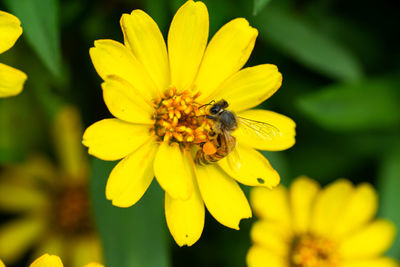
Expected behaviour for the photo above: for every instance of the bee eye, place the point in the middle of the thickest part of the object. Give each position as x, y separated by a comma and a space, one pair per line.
214, 110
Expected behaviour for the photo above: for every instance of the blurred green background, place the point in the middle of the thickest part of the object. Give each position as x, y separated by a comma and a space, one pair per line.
340, 62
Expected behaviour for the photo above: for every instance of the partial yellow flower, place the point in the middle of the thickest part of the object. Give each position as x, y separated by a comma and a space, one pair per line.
159, 98
47, 260
11, 80
52, 202
306, 226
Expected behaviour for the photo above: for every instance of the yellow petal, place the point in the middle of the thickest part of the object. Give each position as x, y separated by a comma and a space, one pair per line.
187, 40
17, 198
113, 139
67, 132
132, 176
271, 236
123, 102
2, 264
53, 244
379, 262
271, 205
254, 169
173, 171
17, 236
328, 206
85, 249
226, 53
262, 138
249, 87
47, 261
36, 170
370, 241
185, 218
302, 194
94, 264
258, 256
112, 58
10, 30
360, 208
11, 81
223, 197
143, 37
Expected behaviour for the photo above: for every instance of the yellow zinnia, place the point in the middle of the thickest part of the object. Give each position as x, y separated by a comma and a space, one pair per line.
47, 260
312, 227
11, 80
51, 203
160, 100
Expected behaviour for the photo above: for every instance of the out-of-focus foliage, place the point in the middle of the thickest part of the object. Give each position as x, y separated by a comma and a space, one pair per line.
340, 66
259, 5
389, 184
15, 122
132, 236
41, 28
372, 104
293, 35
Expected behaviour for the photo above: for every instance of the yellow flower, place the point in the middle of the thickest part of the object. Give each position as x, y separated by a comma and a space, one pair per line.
160, 99
312, 227
47, 260
11, 80
51, 203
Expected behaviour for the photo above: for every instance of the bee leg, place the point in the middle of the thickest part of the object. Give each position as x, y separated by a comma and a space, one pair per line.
211, 117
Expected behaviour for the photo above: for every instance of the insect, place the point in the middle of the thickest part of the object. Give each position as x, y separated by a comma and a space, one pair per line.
225, 122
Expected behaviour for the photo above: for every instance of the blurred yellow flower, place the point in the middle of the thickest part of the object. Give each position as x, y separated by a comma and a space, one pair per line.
11, 80
50, 203
312, 227
160, 98
47, 260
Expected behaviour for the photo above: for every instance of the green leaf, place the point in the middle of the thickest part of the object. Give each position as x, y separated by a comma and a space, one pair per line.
303, 43
367, 105
134, 236
40, 24
389, 193
20, 127
259, 5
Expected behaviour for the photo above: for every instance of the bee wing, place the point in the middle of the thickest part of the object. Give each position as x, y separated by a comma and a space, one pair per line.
230, 141
233, 157
257, 129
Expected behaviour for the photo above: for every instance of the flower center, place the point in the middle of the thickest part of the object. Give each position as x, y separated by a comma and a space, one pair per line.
179, 118
72, 210
310, 251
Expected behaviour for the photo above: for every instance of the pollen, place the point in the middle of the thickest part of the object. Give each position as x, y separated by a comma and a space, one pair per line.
179, 118
310, 251
209, 148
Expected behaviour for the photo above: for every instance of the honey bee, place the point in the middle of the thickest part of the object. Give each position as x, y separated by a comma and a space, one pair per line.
225, 122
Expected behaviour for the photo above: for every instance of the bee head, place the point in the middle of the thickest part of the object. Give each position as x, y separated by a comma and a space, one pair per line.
217, 107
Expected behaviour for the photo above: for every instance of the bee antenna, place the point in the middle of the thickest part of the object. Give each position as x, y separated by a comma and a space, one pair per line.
211, 102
